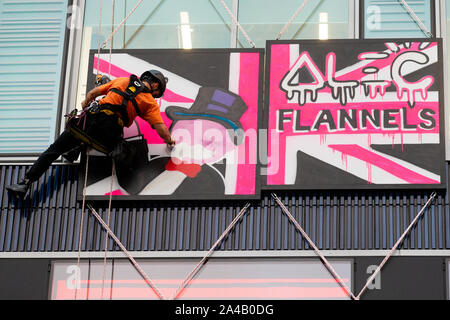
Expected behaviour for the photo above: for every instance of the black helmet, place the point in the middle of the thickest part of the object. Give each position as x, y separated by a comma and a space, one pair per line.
155, 75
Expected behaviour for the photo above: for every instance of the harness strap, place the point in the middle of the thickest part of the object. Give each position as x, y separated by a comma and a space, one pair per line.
118, 109
82, 136
126, 98
75, 125
135, 86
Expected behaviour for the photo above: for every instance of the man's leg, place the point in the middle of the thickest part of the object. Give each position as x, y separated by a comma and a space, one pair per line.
62, 144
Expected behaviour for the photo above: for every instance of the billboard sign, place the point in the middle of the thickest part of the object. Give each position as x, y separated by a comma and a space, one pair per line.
211, 106
354, 114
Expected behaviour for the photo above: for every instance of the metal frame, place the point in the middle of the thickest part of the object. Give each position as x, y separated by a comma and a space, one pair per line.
354, 19
142, 272
423, 28
234, 28
397, 244
324, 261
330, 268
255, 196
73, 62
226, 254
352, 186
130, 257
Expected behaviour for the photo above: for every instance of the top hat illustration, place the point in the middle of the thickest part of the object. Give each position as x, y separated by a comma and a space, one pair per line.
214, 104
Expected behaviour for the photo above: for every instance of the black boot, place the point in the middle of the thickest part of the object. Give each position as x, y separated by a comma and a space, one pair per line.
19, 190
72, 155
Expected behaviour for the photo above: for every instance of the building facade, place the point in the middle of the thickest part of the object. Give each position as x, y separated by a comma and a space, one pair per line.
264, 256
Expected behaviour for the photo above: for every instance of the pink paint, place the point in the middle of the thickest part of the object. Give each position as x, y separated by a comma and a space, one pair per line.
393, 168
279, 64
323, 139
309, 64
344, 160
248, 90
130, 131
131, 290
211, 136
150, 134
381, 63
369, 172
401, 140
117, 192
377, 87
310, 111
428, 81
303, 89
104, 66
341, 90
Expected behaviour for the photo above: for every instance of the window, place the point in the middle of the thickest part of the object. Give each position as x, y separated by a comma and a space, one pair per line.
391, 19
264, 20
220, 278
31, 59
161, 24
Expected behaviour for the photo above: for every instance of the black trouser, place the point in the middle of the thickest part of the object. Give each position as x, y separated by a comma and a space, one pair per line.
100, 126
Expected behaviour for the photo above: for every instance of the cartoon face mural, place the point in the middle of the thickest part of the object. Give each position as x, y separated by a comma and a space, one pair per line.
354, 114
211, 107
212, 145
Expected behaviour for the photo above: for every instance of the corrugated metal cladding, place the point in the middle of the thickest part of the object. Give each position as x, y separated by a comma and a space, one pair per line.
50, 220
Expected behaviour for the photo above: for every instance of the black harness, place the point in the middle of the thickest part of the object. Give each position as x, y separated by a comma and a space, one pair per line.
135, 86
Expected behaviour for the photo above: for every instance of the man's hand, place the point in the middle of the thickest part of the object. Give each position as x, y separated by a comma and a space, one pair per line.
85, 103
171, 144
90, 96
164, 133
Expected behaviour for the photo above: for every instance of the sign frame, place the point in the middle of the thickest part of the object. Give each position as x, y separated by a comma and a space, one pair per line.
188, 53
368, 186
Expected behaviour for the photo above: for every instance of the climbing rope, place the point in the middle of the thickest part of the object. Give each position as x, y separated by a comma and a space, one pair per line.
399, 241
112, 40
87, 157
108, 222
120, 25
287, 25
99, 36
252, 44
202, 262
113, 168
419, 22
81, 226
106, 226
316, 250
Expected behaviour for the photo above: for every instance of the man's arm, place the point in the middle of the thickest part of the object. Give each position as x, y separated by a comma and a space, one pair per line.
164, 133
90, 96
